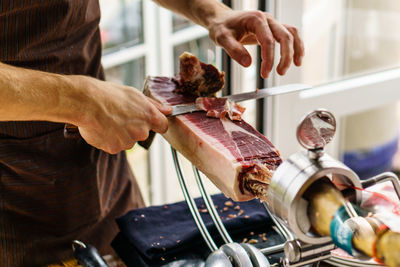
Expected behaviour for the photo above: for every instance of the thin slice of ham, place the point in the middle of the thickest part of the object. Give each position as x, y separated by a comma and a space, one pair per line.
232, 154
220, 107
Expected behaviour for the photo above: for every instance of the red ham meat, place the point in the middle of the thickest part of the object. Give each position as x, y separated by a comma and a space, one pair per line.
220, 107
232, 154
197, 78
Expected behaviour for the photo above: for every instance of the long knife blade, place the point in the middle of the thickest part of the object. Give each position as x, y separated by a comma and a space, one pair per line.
261, 93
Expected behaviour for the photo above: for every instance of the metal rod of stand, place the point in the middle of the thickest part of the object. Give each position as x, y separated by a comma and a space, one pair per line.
211, 208
214, 213
383, 177
192, 205
273, 249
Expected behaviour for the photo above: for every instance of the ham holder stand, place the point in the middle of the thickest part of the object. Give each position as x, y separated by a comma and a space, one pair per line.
286, 205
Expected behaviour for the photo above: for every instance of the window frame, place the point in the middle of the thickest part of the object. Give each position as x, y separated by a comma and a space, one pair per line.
282, 113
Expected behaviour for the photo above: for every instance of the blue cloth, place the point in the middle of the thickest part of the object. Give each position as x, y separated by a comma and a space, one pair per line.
368, 163
161, 231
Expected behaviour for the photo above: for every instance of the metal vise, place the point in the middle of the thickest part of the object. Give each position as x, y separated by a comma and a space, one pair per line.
295, 175
286, 204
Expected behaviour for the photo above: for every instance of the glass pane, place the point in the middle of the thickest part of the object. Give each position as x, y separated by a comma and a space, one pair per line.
203, 48
345, 38
348, 38
179, 23
131, 73
121, 23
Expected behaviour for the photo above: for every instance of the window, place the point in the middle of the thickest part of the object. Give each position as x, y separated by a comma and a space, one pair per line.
179, 23
129, 73
352, 61
347, 38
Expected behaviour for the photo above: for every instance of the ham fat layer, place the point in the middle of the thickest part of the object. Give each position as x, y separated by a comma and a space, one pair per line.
232, 154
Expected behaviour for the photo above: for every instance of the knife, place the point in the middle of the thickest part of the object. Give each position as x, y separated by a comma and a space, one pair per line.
72, 132
261, 93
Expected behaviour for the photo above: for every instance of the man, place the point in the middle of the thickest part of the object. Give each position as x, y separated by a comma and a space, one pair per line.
54, 190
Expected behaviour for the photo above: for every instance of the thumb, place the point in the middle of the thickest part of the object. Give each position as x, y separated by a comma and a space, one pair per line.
164, 109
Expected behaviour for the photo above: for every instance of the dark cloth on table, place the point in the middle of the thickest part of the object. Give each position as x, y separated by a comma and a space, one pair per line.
159, 234
54, 190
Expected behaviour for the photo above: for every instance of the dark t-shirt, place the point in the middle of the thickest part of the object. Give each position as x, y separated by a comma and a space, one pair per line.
54, 190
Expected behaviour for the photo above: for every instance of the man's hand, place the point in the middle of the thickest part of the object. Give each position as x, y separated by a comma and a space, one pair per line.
111, 117
233, 29
118, 116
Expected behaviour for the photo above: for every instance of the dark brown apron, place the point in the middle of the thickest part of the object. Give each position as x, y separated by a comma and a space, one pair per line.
54, 190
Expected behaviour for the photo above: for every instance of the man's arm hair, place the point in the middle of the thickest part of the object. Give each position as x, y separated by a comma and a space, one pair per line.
110, 116
36, 95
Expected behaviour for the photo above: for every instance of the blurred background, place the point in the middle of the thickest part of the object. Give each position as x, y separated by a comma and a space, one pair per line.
352, 63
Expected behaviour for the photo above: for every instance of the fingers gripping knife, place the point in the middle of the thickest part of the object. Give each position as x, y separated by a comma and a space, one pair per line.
286, 204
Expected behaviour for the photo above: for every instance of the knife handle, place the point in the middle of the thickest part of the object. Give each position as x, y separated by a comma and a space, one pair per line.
87, 255
147, 143
71, 131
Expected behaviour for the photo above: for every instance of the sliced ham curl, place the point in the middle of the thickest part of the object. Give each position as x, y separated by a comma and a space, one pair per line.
220, 108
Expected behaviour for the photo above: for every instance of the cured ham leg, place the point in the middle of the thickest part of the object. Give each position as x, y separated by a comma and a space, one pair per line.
232, 154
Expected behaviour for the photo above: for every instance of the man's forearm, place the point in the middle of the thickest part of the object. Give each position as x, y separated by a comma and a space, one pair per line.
110, 116
35, 95
201, 12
